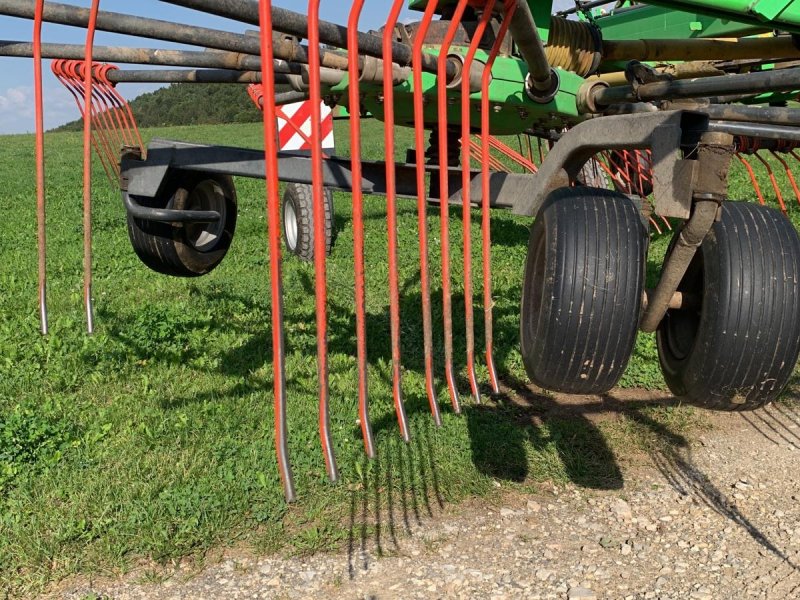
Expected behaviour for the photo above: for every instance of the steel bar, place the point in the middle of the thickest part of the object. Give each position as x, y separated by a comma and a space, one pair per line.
275, 263
692, 49
320, 274
691, 236
41, 206
770, 115
488, 301
87, 169
466, 210
296, 24
358, 227
204, 37
391, 219
220, 59
422, 211
444, 209
757, 130
526, 37
783, 80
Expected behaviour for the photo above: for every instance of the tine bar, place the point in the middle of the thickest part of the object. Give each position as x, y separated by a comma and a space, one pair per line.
488, 302
444, 206
87, 169
41, 205
391, 210
789, 174
422, 210
466, 210
275, 266
320, 276
773, 181
358, 226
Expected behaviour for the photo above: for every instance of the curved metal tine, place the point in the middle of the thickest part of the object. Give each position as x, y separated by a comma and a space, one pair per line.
358, 225
753, 178
773, 181
275, 266
391, 220
87, 168
466, 183
41, 204
488, 302
444, 204
422, 209
320, 275
789, 174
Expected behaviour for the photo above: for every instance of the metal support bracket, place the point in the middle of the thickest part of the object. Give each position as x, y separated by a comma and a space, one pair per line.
664, 133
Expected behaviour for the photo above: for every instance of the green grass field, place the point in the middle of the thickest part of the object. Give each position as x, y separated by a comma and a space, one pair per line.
152, 440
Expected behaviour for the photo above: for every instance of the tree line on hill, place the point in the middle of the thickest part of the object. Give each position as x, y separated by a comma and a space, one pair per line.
189, 104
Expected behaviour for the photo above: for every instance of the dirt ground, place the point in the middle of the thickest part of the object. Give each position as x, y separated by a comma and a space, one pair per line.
714, 517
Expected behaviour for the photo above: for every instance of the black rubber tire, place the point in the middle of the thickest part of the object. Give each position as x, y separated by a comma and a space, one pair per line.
582, 292
298, 206
737, 350
176, 249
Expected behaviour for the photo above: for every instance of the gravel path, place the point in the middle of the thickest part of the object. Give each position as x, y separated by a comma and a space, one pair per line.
717, 519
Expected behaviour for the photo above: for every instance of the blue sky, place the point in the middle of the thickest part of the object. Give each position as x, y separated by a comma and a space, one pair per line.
16, 84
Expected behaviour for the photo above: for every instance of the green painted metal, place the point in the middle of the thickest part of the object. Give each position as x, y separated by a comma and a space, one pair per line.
774, 14
512, 110
659, 22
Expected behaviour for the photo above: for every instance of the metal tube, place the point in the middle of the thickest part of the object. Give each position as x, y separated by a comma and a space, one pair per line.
275, 263
486, 233
422, 211
784, 80
466, 209
329, 76
770, 115
771, 132
689, 240
297, 24
358, 228
141, 56
112, 22
444, 208
87, 170
700, 49
391, 220
526, 37
41, 206
320, 275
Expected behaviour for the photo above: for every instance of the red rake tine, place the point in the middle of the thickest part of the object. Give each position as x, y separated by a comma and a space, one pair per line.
41, 203
391, 209
753, 179
444, 203
789, 174
486, 232
275, 267
358, 225
422, 210
58, 68
320, 275
87, 170
773, 181
466, 183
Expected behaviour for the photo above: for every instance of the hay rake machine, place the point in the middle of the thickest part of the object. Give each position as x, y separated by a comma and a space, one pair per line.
629, 117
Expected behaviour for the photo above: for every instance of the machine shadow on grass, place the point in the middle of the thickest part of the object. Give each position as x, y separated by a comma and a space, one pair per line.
508, 435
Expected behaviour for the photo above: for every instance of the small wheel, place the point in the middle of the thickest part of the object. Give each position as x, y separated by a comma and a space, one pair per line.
298, 220
187, 249
582, 293
738, 348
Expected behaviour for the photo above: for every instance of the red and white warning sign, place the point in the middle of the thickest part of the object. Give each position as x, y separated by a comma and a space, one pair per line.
294, 126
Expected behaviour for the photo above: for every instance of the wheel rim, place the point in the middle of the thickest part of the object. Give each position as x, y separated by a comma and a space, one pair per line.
207, 195
290, 225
